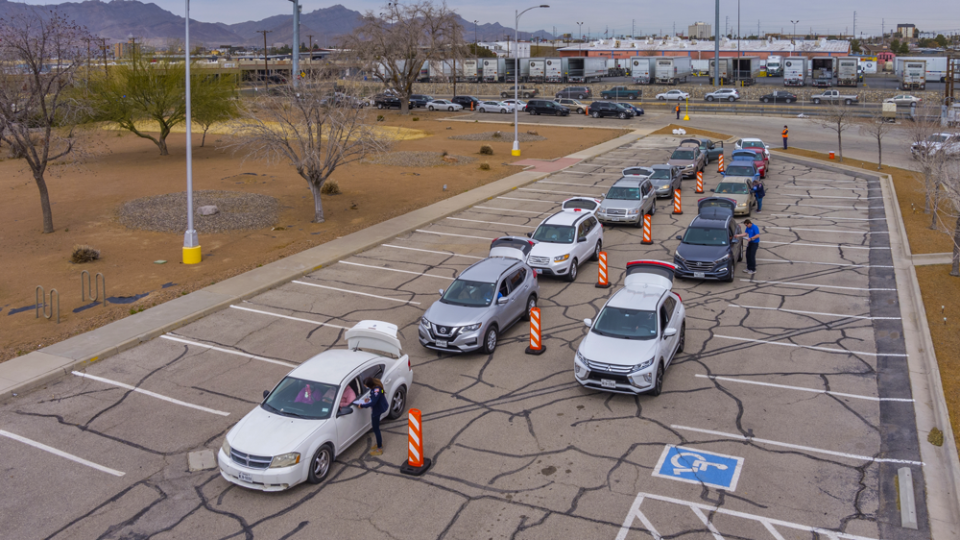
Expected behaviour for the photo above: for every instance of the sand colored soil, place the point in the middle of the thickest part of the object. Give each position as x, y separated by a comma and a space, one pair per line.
86, 200
941, 298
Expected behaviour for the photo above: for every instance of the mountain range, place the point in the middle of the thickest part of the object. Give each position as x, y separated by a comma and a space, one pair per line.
120, 20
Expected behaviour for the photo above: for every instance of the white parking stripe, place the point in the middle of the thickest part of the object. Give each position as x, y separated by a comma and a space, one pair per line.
510, 210
829, 197
298, 319
491, 223
452, 234
356, 292
431, 251
557, 192
739, 437
818, 313
812, 206
813, 187
810, 347
802, 389
578, 184
823, 245
825, 230
803, 216
815, 286
826, 263
149, 393
60, 453
710, 527
396, 270
228, 351
528, 200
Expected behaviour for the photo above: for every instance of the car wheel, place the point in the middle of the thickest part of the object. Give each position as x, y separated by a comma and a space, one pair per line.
503, 111
320, 464
572, 274
731, 100
527, 96
398, 403
623, 116
450, 109
595, 114
847, 101
596, 252
379, 105
490, 340
482, 110
661, 98
431, 107
658, 381
766, 100
531, 303
558, 113
709, 98
740, 253
788, 101
579, 111
683, 337
580, 96
816, 101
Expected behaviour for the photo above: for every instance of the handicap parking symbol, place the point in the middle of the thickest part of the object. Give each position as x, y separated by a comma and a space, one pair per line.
699, 467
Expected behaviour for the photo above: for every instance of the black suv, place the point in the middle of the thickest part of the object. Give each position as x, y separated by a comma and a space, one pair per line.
542, 106
575, 92
606, 108
420, 100
709, 248
386, 101
469, 103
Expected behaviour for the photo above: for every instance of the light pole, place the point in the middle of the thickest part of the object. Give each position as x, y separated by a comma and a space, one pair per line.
191, 243
794, 34
716, 47
296, 42
580, 24
516, 78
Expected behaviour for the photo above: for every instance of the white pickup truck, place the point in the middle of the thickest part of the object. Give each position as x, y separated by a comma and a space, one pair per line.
834, 96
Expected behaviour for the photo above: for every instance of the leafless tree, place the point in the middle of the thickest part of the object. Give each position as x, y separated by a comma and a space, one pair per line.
837, 118
395, 44
877, 127
924, 125
948, 217
40, 53
313, 127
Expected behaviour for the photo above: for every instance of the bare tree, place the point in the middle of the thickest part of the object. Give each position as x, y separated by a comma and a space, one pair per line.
923, 130
40, 53
877, 127
394, 45
837, 118
313, 128
948, 218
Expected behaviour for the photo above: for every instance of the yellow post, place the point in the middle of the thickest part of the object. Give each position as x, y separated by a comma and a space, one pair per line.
191, 255
686, 114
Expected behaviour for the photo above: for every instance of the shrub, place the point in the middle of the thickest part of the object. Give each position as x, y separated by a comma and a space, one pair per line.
497, 135
380, 118
484, 166
532, 133
330, 187
444, 153
416, 119
82, 254
486, 150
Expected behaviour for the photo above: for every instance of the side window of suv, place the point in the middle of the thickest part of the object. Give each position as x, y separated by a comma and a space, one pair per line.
669, 304
645, 188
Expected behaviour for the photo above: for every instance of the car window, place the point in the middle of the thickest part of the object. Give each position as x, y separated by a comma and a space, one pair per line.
660, 174
626, 323
753, 144
624, 194
468, 293
582, 230
300, 398
700, 236
375, 371
554, 234
740, 171
646, 187
504, 289
664, 317
516, 279
735, 188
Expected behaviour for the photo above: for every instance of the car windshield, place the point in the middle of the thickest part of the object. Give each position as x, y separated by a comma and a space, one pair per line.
739, 171
660, 174
555, 234
626, 323
299, 398
752, 144
625, 193
682, 154
737, 188
937, 138
440, 101
468, 293
700, 236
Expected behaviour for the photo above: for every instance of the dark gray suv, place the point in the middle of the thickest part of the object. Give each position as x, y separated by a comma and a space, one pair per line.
575, 92
542, 106
709, 249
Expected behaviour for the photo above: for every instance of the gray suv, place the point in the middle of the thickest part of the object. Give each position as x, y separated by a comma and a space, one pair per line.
484, 301
665, 179
628, 200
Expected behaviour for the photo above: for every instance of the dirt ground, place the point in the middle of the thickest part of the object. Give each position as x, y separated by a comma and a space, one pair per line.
941, 298
85, 202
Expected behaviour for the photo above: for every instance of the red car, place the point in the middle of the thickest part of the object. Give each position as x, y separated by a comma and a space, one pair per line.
760, 161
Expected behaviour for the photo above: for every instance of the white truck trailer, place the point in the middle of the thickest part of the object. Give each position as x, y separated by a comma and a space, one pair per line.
553, 70
847, 71
912, 74
641, 69
795, 71
936, 66
672, 69
774, 66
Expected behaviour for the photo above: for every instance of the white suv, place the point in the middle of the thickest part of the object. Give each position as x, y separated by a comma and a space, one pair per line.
565, 241
723, 94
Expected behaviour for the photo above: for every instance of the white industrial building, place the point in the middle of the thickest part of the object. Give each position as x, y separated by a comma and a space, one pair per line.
508, 49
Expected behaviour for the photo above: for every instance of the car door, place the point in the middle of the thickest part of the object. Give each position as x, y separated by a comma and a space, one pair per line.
583, 248
376, 371
519, 288
649, 197
351, 425
716, 152
668, 343
504, 303
594, 235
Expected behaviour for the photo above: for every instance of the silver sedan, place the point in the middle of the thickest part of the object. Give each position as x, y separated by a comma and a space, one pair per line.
495, 106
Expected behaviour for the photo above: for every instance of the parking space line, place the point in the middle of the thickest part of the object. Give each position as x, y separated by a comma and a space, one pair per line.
815, 286
396, 270
824, 245
298, 319
810, 347
831, 197
826, 263
570, 184
356, 292
818, 313
61, 453
149, 393
802, 389
557, 192
452, 234
739, 437
491, 223
803, 216
528, 200
228, 351
534, 212
811, 206
706, 522
431, 251
826, 230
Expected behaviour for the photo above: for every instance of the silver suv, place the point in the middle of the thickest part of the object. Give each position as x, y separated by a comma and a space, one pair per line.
484, 301
723, 94
628, 200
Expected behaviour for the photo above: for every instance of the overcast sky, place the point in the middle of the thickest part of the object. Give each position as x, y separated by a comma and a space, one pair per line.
616, 16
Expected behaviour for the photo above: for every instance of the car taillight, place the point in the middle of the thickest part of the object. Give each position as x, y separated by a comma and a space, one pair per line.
678, 297
409, 367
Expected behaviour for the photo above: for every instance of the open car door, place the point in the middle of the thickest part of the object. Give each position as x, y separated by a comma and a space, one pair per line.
649, 273
511, 247
716, 207
715, 150
581, 204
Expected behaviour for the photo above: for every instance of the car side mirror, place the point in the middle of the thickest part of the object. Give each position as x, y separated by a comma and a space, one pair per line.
584, 239
502, 300
343, 411
712, 190
441, 292
603, 195
588, 322
678, 237
265, 394
529, 235
723, 173
669, 332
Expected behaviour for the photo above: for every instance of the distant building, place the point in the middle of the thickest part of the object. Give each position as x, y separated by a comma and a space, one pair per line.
508, 49
125, 50
907, 30
699, 30
703, 49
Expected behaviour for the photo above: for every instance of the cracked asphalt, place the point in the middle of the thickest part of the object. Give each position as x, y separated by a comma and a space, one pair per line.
799, 370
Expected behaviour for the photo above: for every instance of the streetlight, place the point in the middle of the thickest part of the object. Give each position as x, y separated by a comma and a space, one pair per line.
191, 243
516, 78
580, 25
296, 41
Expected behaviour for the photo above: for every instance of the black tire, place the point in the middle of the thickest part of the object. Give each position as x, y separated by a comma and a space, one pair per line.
558, 113
710, 98
766, 100
527, 96
572, 274
653, 209
740, 253
816, 101
661, 98
595, 114
320, 464
531, 303
683, 337
503, 95
623, 116
481, 110
579, 111
596, 252
847, 101
490, 339
730, 99
580, 96
450, 109
431, 108
658, 381
379, 105
398, 403
788, 101
503, 111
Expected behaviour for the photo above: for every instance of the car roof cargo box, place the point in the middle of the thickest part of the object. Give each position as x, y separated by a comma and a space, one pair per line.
650, 273
374, 335
716, 207
511, 247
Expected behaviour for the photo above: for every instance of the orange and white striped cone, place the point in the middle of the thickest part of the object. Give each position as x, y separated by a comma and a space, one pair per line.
647, 229
416, 463
536, 342
677, 206
720, 164
603, 281
699, 181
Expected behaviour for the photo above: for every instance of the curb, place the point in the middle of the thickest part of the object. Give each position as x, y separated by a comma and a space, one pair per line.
24, 373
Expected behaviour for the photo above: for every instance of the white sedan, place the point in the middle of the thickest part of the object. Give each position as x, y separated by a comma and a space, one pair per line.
443, 105
673, 95
637, 334
295, 434
518, 102
748, 143
495, 106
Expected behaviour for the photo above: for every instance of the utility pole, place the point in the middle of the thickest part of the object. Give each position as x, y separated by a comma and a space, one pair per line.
266, 68
716, 47
103, 51
295, 69
633, 28
758, 28
727, 31
854, 25
310, 37
580, 24
883, 38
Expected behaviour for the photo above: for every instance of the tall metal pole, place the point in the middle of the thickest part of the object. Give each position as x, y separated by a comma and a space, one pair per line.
191, 243
266, 67
296, 42
716, 48
516, 78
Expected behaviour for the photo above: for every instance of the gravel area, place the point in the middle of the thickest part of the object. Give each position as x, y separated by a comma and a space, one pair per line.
498, 136
418, 159
168, 213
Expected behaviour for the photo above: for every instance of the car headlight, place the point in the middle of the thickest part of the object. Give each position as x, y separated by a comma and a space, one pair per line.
425, 322
472, 327
285, 460
643, 365
679, 258
690, 166
722, 259
633, 211
743, 204
666, 186
561, 258
225, 446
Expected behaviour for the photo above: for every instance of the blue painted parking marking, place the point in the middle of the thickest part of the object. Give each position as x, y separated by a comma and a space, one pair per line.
699, 467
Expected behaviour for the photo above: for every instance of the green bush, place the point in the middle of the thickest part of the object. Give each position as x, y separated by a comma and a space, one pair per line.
484, 166
486, 150
380, 118
330, 187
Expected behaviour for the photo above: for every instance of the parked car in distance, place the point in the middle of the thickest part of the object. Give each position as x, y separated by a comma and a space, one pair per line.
628, 200
575, 92
600, 109
495, 107
711, 149
665, 179
483, 302
755, 158
836, 97
709, 248
641, 172
469, 103
572, 104
688, 158
737, 187
723, 94
673, 95
779, 96
386, 101
565, 241
637, 111
298, 430
522, 91
948, 143
443, 105
420, 100
636, 335
518, 102
753, 144
621, 92
542, 106
904, 100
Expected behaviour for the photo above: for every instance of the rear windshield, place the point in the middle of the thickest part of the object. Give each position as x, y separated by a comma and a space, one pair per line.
752, 144
738, 188
468, 293
626, 323
661, 174
624, 193
682, 154
636, 171
699, 236
554, 234
740, 171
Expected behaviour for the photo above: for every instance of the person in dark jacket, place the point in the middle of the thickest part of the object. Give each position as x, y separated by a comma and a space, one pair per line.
759, 193
377, 402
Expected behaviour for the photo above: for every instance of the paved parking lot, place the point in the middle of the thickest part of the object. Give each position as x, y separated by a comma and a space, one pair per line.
793, 383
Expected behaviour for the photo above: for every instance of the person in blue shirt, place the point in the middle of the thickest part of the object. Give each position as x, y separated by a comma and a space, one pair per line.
377, 402
759, 193
752, 234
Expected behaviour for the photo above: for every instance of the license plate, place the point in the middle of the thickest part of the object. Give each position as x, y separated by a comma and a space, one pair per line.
538, 270
607, 383
441, 344
245, 477
698, 274
617, 219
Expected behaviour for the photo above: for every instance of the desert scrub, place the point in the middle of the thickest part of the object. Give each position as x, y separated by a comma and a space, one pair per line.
83, 254
330, 187
484, 166
486, 150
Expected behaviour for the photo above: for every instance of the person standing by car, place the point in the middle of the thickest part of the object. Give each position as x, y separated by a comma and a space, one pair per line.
377, 402
752, 233
759, 193
785, 133
678, 111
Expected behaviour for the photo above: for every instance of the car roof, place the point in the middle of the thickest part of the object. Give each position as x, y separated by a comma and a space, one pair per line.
644, 285
331, 366
662, 166
629, 181
707, 222
745, 153
688, 144
488, 270
565, 218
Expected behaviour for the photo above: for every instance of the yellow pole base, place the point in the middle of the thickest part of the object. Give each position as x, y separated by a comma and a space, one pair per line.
686, 117
515, 153
191, 255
